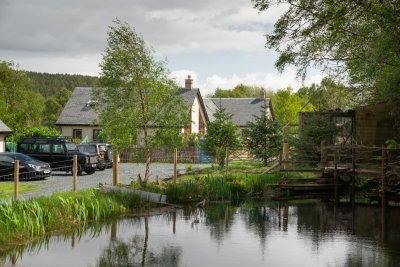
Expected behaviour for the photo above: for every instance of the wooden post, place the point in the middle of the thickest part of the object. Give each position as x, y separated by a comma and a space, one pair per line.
175, 164
336, 185
384, 180
115, 168
75, 173
285, 155
227, 160
16, 180
324, 154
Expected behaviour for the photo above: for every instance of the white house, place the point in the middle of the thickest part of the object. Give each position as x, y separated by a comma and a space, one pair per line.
78, 118
4, 132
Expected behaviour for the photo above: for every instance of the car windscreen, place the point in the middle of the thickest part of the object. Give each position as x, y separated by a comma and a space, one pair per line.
71, 146
21, 157
87, 149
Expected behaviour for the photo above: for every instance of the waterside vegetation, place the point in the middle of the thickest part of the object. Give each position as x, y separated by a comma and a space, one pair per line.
24, 221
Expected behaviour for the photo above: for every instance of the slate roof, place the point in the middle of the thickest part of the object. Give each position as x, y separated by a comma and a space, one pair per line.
4, 129
77, 110
244, 110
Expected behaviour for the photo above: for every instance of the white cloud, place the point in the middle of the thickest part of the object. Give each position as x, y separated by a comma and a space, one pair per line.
272, 81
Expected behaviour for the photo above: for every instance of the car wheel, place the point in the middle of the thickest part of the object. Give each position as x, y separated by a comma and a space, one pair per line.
90, 170
80, 170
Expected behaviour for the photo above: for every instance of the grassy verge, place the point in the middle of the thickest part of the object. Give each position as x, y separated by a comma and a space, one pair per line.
7, 189
22, 221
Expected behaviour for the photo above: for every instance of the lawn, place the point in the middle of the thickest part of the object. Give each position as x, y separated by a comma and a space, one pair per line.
7, 189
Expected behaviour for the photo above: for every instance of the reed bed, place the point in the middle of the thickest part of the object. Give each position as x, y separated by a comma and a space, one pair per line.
24, 220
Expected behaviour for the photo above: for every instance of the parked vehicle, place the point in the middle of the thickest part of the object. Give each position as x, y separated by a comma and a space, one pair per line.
58, 152
97, 149
29, 168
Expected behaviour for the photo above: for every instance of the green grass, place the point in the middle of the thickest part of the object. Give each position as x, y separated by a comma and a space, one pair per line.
24, 220
243, 181
7, 189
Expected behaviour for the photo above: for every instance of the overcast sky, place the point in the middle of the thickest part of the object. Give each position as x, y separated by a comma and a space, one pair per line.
221, 43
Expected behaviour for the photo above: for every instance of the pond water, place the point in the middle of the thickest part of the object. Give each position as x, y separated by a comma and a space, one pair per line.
312, 233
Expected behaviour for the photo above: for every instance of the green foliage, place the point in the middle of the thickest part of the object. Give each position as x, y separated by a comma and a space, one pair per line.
239, 91
350, 39
328, 95
262, 137
286, 107
221, 134
50, 84
317, 127
36, 132
191, 140
62, 211
139, 104
54, 106
20, 106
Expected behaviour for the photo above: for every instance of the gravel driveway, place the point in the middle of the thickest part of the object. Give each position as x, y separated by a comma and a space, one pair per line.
59, 182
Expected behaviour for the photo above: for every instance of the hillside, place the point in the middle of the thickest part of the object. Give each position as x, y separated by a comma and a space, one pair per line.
48, 84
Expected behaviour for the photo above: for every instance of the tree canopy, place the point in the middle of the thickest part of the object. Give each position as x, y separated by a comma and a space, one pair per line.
20, 106
221, 134
358, 39
240, 91
263, 137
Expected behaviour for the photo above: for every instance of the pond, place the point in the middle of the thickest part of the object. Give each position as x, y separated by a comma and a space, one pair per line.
300, 233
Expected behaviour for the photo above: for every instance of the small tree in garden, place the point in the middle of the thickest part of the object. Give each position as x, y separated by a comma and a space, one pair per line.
263, 137
221, 134
316, 127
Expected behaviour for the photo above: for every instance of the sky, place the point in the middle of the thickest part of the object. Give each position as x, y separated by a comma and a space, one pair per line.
220, 43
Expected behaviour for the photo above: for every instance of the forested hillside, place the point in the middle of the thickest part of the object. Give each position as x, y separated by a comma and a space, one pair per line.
48, 84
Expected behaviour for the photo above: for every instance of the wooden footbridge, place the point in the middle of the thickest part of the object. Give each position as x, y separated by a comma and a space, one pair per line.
339, 165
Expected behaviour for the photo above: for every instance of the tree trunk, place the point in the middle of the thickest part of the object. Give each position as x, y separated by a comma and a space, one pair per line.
148, 162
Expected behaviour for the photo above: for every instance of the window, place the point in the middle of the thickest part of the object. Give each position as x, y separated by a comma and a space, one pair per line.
77, 133
96, 133
58, 149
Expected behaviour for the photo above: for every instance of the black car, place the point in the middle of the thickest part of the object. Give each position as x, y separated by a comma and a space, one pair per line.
58, 152
95, 149
29, 168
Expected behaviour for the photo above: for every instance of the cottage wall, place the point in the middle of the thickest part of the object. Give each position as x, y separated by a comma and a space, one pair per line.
2, 143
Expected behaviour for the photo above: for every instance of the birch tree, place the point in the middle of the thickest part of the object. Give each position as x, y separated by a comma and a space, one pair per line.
136, 100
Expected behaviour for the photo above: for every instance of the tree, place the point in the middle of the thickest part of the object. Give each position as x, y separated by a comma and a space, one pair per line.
136, 100
221, 134
20, 106
328, 95
240, 91
262, 137
358, 40
54, 106
287, 105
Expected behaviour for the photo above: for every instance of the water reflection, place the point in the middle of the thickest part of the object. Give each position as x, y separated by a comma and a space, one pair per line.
274, 233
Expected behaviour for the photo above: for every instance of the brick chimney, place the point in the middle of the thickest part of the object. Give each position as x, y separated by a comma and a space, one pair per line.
188, 83
262, 94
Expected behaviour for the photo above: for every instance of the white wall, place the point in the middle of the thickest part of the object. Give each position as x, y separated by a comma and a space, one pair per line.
195, 115
2, 143
86, 131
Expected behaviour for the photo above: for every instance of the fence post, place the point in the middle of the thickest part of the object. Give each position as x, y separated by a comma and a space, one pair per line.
285, 155
175, 164
75, 173
324, 154
384, 180
115, 168
16, 180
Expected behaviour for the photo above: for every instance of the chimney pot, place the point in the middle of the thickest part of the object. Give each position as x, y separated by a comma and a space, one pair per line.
188, 83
